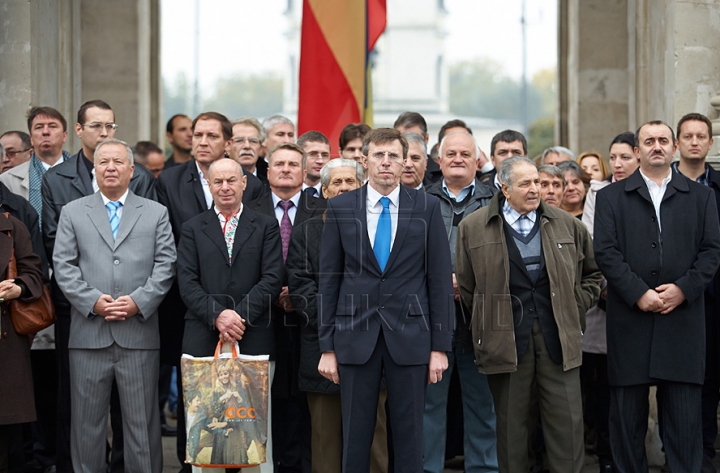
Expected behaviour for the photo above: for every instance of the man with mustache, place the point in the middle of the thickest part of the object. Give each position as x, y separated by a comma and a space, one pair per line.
657, 242
527, 323
248, 137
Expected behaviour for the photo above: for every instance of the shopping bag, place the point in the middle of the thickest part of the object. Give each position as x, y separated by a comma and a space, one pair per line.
226, 408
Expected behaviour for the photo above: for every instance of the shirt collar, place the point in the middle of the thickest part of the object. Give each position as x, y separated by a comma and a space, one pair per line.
648, 181
512, 215
221, 216
704, 178
373, 196
121, 199
295, 199
469, 189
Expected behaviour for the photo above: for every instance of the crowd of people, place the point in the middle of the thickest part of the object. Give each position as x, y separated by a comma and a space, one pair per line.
415, 304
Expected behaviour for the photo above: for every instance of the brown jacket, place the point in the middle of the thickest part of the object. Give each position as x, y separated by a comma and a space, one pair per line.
482, 268
17, 403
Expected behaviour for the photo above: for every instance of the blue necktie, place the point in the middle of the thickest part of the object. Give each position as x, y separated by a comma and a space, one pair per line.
114, 217
383, 235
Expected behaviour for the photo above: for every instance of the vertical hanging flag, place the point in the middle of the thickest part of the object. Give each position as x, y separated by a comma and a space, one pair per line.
337, 37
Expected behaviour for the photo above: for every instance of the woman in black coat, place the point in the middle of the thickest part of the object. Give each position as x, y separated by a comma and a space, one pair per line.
17, 403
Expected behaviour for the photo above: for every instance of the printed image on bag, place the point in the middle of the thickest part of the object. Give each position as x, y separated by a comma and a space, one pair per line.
226, 401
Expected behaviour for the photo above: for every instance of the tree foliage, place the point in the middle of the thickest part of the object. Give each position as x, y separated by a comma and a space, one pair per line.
481, 88
256, 95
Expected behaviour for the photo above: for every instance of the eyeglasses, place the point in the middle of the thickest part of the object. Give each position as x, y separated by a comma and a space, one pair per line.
381, 155
11, 154
242, 139
95, 126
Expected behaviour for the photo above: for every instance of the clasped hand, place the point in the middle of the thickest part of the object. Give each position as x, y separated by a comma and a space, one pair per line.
115, 309
230, 325
663, 299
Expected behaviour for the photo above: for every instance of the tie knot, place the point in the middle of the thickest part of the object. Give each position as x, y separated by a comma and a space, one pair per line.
311, 191
113, 205
285, 204
385, 202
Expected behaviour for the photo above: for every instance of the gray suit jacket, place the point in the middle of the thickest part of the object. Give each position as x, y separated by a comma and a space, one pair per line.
139, 263
17, 179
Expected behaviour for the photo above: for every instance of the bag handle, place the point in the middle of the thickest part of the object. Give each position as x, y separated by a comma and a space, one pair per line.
12, 265
220, 354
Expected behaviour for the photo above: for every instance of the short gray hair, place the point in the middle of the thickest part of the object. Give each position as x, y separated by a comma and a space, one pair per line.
413, 137
114, 141
553, 171
253, 122
558, 150
506, 174
270, 122
341, 163
477, 147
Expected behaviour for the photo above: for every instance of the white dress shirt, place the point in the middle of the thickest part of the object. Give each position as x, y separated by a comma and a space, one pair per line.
292, 211
374, 209
118, 212
205, 186
657, 192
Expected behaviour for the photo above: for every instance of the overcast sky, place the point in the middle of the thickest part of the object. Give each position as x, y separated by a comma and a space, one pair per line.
247, 35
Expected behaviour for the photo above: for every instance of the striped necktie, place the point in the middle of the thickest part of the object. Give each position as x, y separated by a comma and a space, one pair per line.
114, 217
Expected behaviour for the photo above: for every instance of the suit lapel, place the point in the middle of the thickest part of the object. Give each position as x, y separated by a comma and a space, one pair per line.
211, 228
361, 214
405, 211
131, 212
99, 217
192, 177
245, 228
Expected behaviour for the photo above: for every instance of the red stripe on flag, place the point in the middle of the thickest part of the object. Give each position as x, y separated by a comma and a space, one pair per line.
326, 102
376, 20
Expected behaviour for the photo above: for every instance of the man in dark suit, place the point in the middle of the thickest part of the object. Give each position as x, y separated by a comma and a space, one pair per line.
248, 137
317, 148
386, 281
62, 184
229, 272
413, 172
290, 206
694, 135
657, 242
184, 190
338, 176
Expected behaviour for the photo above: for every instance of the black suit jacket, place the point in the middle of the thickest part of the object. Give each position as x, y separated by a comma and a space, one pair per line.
287, 324
634, 256
180, 190
411, 301
209, 284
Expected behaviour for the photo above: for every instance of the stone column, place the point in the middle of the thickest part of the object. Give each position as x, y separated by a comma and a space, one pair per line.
625, 62
61, 53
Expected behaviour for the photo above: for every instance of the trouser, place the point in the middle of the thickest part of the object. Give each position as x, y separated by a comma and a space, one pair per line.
560, 404
478, 417
326, 442
596, 390
681, 419
92, 372
359, 388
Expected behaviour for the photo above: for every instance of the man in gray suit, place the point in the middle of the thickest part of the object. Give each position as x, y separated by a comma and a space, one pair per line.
114, 260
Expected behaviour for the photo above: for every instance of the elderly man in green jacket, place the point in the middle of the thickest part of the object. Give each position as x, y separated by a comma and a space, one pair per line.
528, 274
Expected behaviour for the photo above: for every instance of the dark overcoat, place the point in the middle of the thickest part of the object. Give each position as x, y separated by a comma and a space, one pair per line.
17, 404
634, 256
